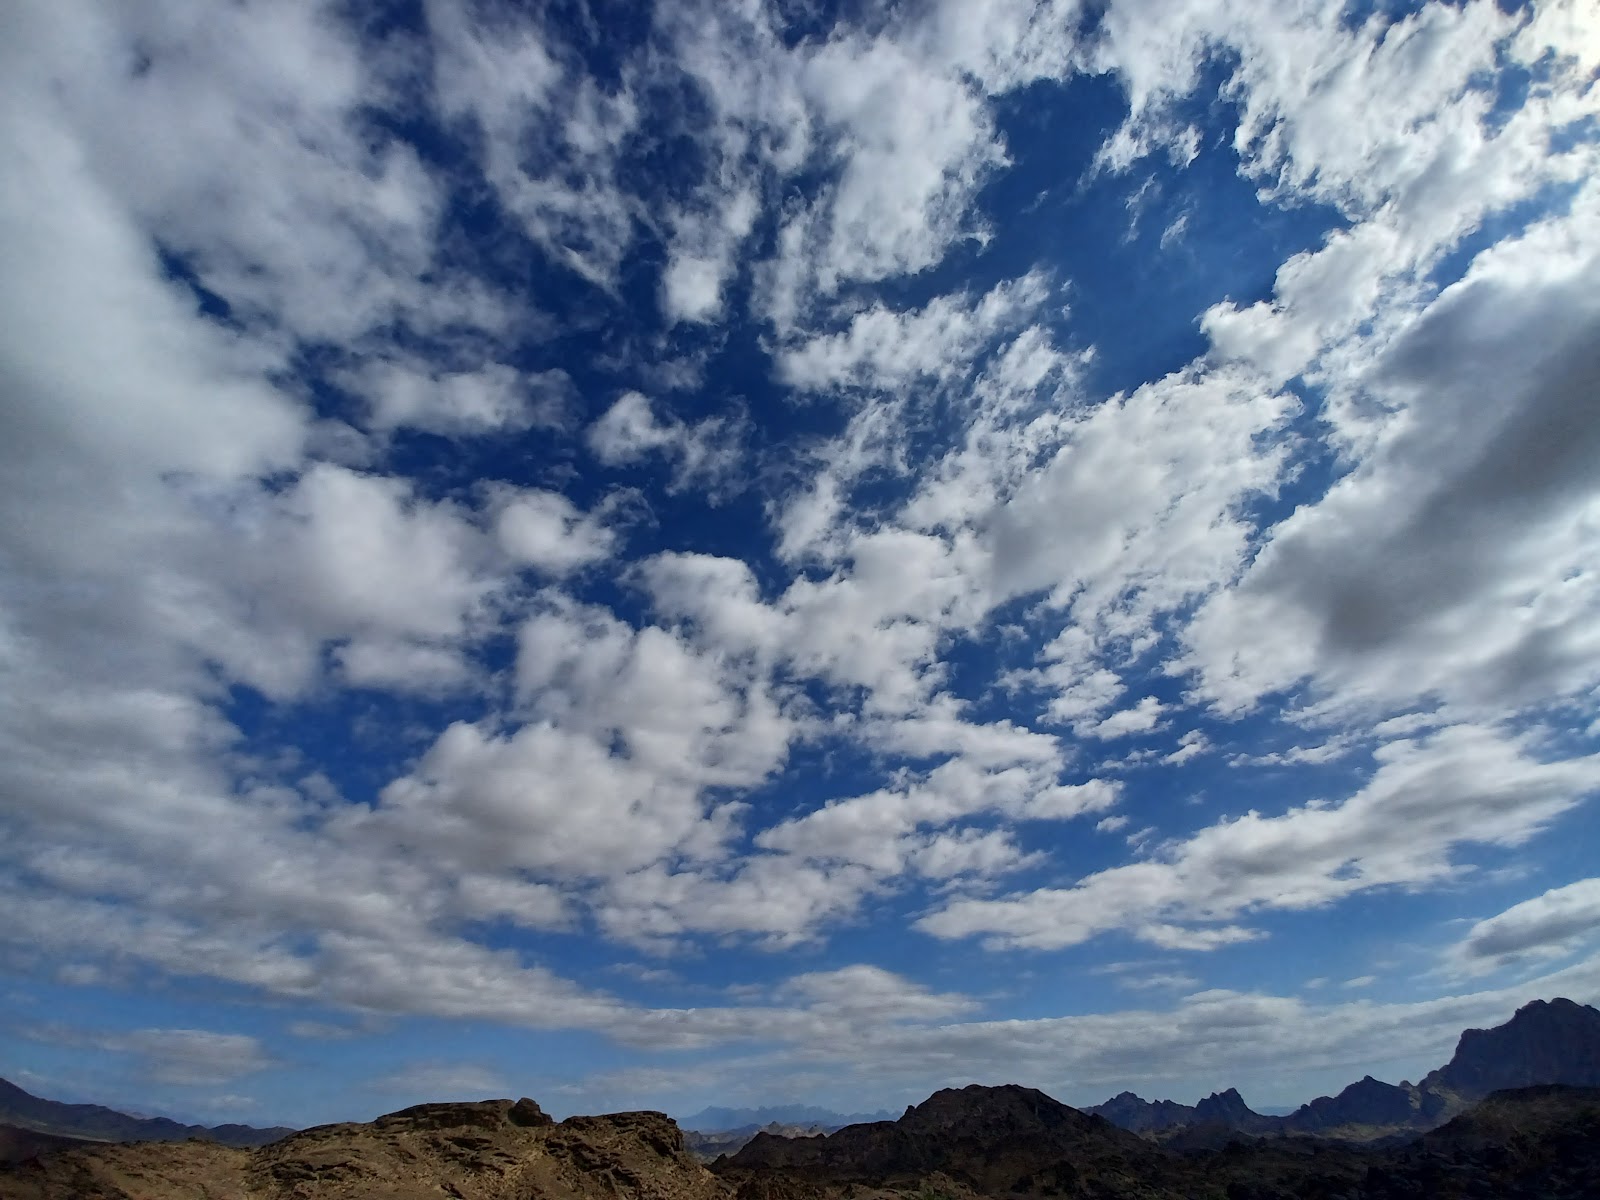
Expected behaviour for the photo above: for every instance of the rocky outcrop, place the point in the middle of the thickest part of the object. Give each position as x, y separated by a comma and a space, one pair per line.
494, 1150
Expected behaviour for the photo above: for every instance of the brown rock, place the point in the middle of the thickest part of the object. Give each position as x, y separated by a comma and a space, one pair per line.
494, 1150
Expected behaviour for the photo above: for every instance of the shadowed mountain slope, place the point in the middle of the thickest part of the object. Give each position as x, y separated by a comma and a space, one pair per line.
97, 1123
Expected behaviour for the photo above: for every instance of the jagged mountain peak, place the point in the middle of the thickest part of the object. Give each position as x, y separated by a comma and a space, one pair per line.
1546, 1041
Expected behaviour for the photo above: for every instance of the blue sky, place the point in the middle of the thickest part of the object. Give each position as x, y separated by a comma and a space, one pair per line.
742, 553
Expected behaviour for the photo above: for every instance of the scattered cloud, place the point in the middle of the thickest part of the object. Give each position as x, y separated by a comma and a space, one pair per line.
1551, 925
497, 497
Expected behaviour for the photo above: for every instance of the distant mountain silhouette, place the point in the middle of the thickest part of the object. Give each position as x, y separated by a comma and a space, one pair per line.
1368, 1102
990, 1140
1229, 1110
713, 1144
93, 1122
732, 1120
1545, 1042
1130, 1112
1015, 1143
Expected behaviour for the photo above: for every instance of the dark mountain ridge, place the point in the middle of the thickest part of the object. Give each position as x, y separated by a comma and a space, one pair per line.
1128, 1111
1545, 1042
94, 1122
984, 1140
1019, 1144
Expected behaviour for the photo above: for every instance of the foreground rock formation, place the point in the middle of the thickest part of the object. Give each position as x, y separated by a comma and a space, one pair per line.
494, 1150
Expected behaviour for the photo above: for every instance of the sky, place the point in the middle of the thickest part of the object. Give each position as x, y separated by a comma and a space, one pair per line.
737, 552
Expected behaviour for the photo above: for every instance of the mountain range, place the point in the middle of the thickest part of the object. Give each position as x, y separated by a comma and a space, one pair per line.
731, 1120
1545, 1042
23, 1114
1539, 1143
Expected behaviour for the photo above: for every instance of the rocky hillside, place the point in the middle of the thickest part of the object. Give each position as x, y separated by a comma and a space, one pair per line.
18, 1144
494, 1150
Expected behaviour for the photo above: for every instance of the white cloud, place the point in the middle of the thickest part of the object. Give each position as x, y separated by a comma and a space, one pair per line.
194, 1056
551, 133
1448, 565
887, 350
305, 223
1190, 746
490, 399
433, 1082
702, 258
402, 666
1426, 800
1141, 718
1551, 925
868, 991
1162, 981
195, 532
493, 802
547, 531
702, 454
187, 1057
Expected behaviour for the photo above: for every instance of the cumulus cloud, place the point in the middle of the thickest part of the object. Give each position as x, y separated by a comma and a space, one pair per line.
545, 530
1396, 586
1551, 925
702, 454
330, 643
487, 400
1461, 786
